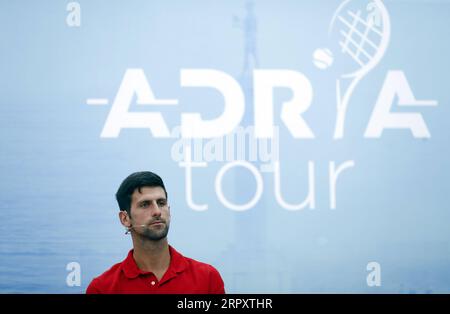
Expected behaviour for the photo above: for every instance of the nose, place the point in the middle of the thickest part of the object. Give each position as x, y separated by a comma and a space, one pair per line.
156, 211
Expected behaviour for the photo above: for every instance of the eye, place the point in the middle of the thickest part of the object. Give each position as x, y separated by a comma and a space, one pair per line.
144, 204
162, 203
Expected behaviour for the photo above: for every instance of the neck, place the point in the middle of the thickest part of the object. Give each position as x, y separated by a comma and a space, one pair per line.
151, 256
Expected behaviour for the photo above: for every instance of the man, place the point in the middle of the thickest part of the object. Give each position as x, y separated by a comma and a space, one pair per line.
152, 266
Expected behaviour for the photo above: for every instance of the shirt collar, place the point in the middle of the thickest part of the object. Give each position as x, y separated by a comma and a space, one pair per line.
177, 265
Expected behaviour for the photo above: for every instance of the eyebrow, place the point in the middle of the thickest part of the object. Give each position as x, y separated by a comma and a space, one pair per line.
145, 199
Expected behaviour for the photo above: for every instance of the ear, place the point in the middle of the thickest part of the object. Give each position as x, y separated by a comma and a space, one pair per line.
124, 219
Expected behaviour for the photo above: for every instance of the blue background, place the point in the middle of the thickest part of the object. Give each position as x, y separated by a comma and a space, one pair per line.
58, 177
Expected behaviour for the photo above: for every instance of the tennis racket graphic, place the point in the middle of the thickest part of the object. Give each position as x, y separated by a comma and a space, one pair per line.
361, 29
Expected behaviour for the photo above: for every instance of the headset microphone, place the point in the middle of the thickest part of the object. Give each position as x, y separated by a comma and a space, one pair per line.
131, 227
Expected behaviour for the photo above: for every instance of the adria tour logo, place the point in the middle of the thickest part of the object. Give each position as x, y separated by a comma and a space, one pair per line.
361, 31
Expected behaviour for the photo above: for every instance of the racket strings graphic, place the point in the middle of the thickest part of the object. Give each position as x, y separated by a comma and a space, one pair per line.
363, 37
361, 29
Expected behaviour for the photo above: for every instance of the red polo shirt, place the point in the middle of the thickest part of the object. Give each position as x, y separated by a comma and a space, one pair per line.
184, 275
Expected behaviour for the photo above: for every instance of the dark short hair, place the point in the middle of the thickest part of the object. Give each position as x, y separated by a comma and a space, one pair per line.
135, 181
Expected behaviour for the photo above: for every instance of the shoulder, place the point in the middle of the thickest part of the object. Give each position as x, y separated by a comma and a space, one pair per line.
206, 273
201, 267
99, 283
182, 262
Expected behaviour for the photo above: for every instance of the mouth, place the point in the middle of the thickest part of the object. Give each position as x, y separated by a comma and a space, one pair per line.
156, 223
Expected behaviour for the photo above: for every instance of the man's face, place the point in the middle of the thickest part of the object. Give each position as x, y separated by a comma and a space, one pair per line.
150, 213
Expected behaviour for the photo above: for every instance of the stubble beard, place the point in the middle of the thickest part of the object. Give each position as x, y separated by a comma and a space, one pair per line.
155, 235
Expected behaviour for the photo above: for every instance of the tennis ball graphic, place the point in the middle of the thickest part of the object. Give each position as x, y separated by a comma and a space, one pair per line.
322, 58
